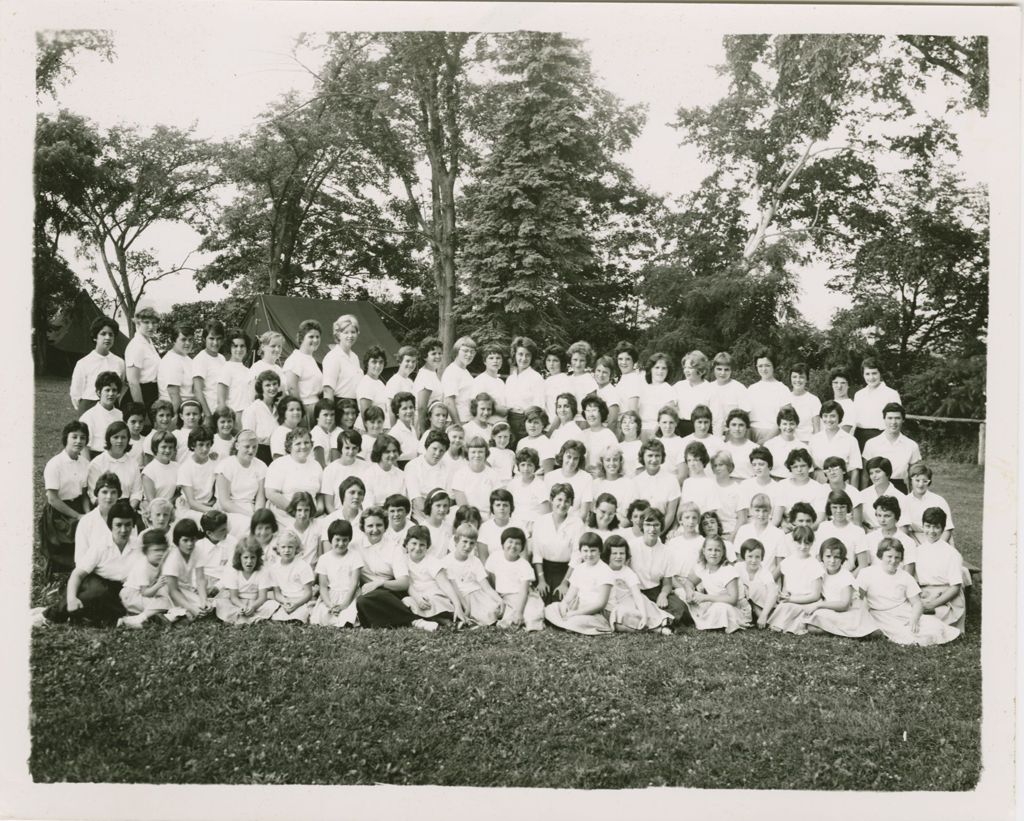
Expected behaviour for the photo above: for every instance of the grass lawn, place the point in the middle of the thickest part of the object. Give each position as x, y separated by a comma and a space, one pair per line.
282, 704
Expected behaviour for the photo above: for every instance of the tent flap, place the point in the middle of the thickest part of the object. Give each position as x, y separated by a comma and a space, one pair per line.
284, 314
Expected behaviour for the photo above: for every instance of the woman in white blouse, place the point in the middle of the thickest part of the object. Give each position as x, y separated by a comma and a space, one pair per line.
291, 473
426, 387
342, 370
302, 376
524, 387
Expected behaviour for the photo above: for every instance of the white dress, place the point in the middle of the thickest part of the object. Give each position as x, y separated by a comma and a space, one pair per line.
710, 615
291, 580
589, 580
854, 622
142, 574
756, 589
247, 588
468, 576
799, 575
622, 608
939, 564
888, 599
509, 578
338, 570
423, 585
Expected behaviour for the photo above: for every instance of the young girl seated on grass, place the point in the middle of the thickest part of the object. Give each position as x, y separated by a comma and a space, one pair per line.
246, 587
838, 612
185, 581
337, 570
712, 591
431, 595
482, 605
582, 608
939, 570
292, 580
512, 577
894, 600
216, 549
302, 508
757, 582
802, 579
144, 594
628, 609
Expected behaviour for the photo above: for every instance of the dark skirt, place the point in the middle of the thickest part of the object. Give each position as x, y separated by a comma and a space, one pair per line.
101, 603
862, 435
383, 608
57, 536
150, 393
685, 427
554, 575
263, 454
652, 593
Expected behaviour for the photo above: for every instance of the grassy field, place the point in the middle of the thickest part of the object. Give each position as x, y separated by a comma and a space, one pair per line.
281, 704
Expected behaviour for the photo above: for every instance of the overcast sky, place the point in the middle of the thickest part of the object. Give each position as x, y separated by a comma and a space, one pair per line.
221, 77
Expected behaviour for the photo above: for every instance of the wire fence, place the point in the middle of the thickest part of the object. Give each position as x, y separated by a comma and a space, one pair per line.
949, 438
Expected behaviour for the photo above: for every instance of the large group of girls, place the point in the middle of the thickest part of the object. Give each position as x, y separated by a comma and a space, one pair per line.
595, 497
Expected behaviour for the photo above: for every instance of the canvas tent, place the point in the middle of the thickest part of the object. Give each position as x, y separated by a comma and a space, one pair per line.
284, 313
72, 341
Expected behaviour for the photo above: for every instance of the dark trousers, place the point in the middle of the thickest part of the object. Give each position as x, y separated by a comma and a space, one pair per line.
677, 607
652, 593
554, 575
383, 608
101, 603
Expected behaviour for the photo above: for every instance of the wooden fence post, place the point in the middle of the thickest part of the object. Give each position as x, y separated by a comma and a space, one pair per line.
981, 443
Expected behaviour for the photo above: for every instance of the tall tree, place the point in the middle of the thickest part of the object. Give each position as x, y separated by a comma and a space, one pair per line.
703, 293
54, 50
554, 219
806, 115
119, 183
54, 283
915, 260
303, 221
405, 94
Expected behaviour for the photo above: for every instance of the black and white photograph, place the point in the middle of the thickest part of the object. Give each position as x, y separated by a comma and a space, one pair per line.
560, 397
